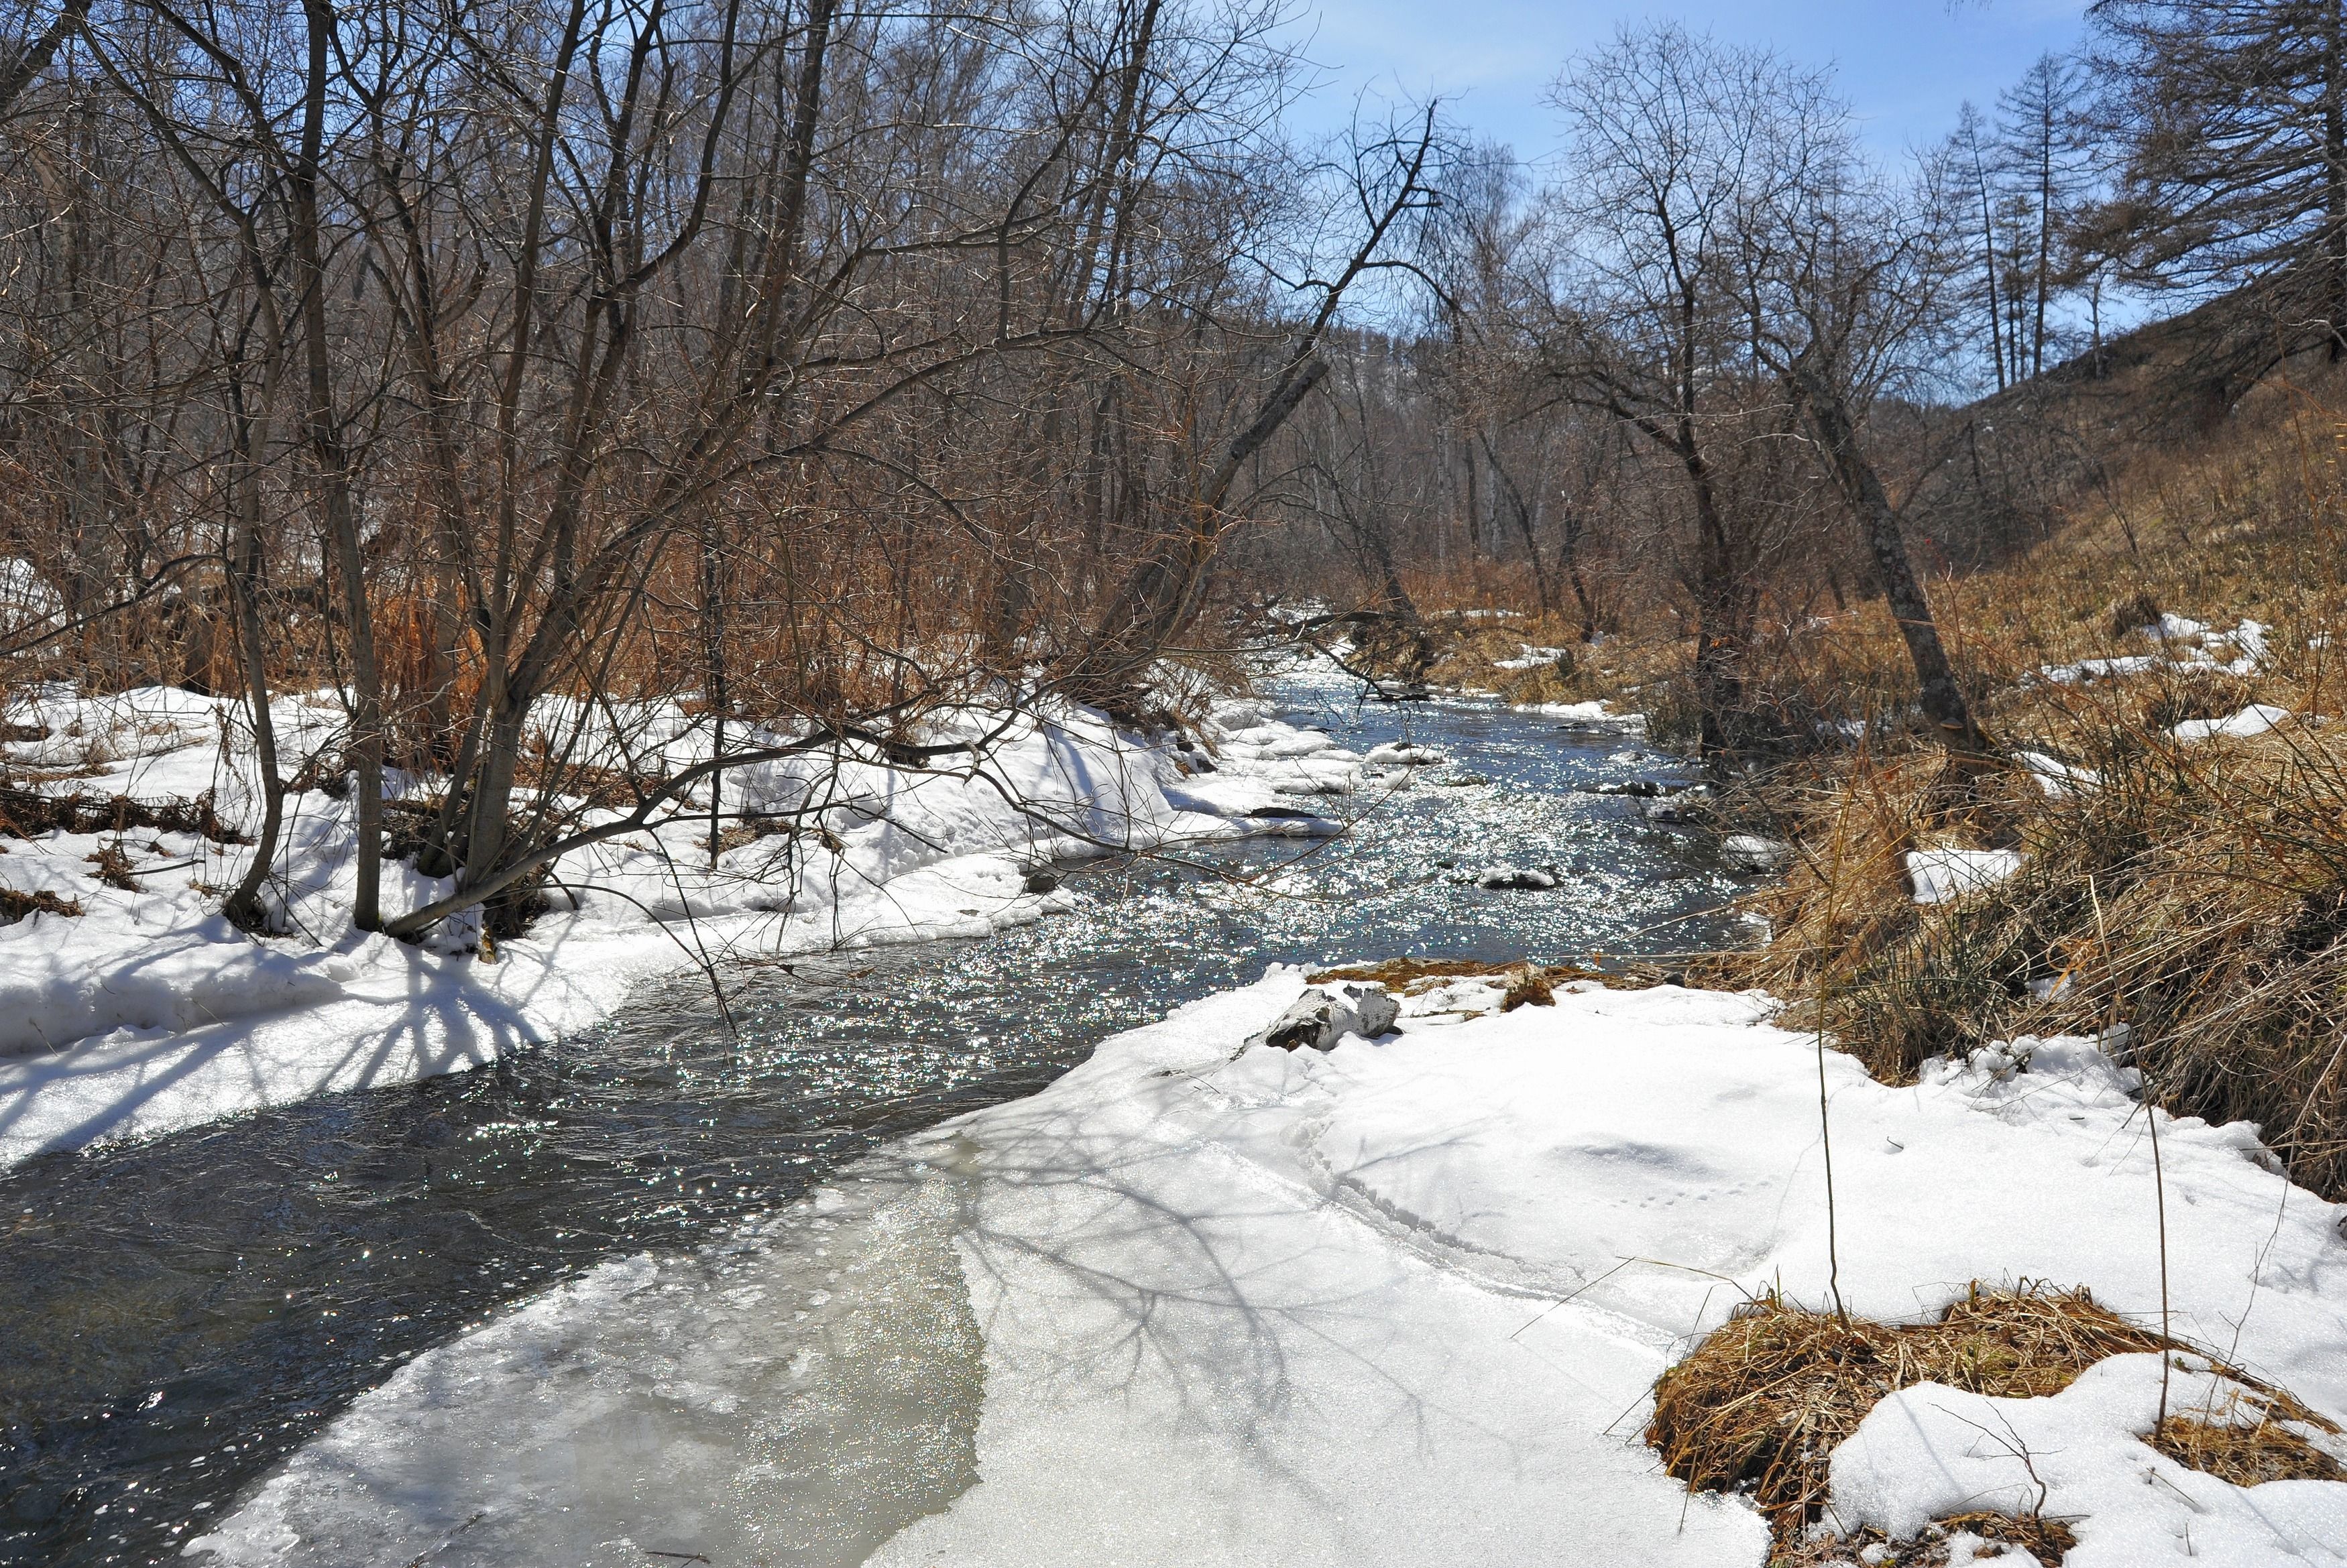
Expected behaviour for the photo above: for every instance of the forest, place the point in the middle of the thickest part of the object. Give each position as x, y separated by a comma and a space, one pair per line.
826, 371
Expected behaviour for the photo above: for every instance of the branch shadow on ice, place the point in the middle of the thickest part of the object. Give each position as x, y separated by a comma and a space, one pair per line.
1221, 1315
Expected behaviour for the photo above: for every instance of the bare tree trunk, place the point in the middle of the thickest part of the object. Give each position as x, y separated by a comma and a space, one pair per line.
245, 558
1162, 593
1862, 487
18, 74
713, 610
2334, 173
1988, 264
333, 472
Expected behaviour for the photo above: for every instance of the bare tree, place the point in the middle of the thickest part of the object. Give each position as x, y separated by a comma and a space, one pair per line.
1684, 155
1385, 184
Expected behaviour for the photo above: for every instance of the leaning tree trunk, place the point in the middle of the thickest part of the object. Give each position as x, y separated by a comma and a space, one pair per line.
1942, 699
1162, 592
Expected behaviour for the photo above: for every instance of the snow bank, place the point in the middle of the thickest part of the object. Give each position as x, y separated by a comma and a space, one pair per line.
2057, 777
1295, 1308
28, 605
1752, 853
1396, 1303
150, 1011
1594, 712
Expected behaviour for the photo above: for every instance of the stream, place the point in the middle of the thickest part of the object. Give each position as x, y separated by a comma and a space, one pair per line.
178, 1315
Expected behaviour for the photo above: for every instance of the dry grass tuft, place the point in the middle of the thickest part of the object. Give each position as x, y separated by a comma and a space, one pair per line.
1536, 983
2047, 1540
2130, 611
113, 865
2271, 1445
15, 905
1760, 1405
1531, 987
1410, 975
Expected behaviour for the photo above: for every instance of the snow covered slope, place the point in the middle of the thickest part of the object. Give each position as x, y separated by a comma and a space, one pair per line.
1399, 1303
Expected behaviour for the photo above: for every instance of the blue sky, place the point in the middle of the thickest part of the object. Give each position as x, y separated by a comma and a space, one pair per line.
1904, 65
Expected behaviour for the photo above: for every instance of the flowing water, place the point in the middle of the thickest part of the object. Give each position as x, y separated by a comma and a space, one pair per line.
177, 1316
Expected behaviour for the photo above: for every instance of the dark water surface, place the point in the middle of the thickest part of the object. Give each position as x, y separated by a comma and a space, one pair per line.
177, 1315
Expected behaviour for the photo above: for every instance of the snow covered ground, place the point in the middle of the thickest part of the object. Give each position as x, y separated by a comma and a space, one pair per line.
1398, 1303
149, 1010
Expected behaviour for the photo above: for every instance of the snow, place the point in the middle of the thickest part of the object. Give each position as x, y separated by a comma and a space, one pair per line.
2254, 720
1929, 1451
735, 1404
1752, 853
2055, 776
150, 1012
2088, 671
27, 604
1941, 876
1531, 657
2184, 644
1518, 878
1399, 1303
1595, 712
1402, 754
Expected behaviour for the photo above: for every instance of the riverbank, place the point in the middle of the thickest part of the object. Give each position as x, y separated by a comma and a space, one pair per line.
286, 1260
128, 1006
1400, 1302
2151, 836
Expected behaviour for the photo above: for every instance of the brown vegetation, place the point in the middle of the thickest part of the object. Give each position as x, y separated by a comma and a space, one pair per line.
2195, 890
14, 905
1522, 982
1760, 1405
28, 813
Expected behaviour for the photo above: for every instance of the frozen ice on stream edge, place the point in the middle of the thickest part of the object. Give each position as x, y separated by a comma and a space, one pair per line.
150, 1011
1398, 1303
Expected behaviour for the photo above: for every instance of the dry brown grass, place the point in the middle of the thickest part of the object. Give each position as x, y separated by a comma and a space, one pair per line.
113, 865
2047, 1540
1526, 981
2196, 892
1760, 1405
2251, 1452
1469, 651
15, 905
